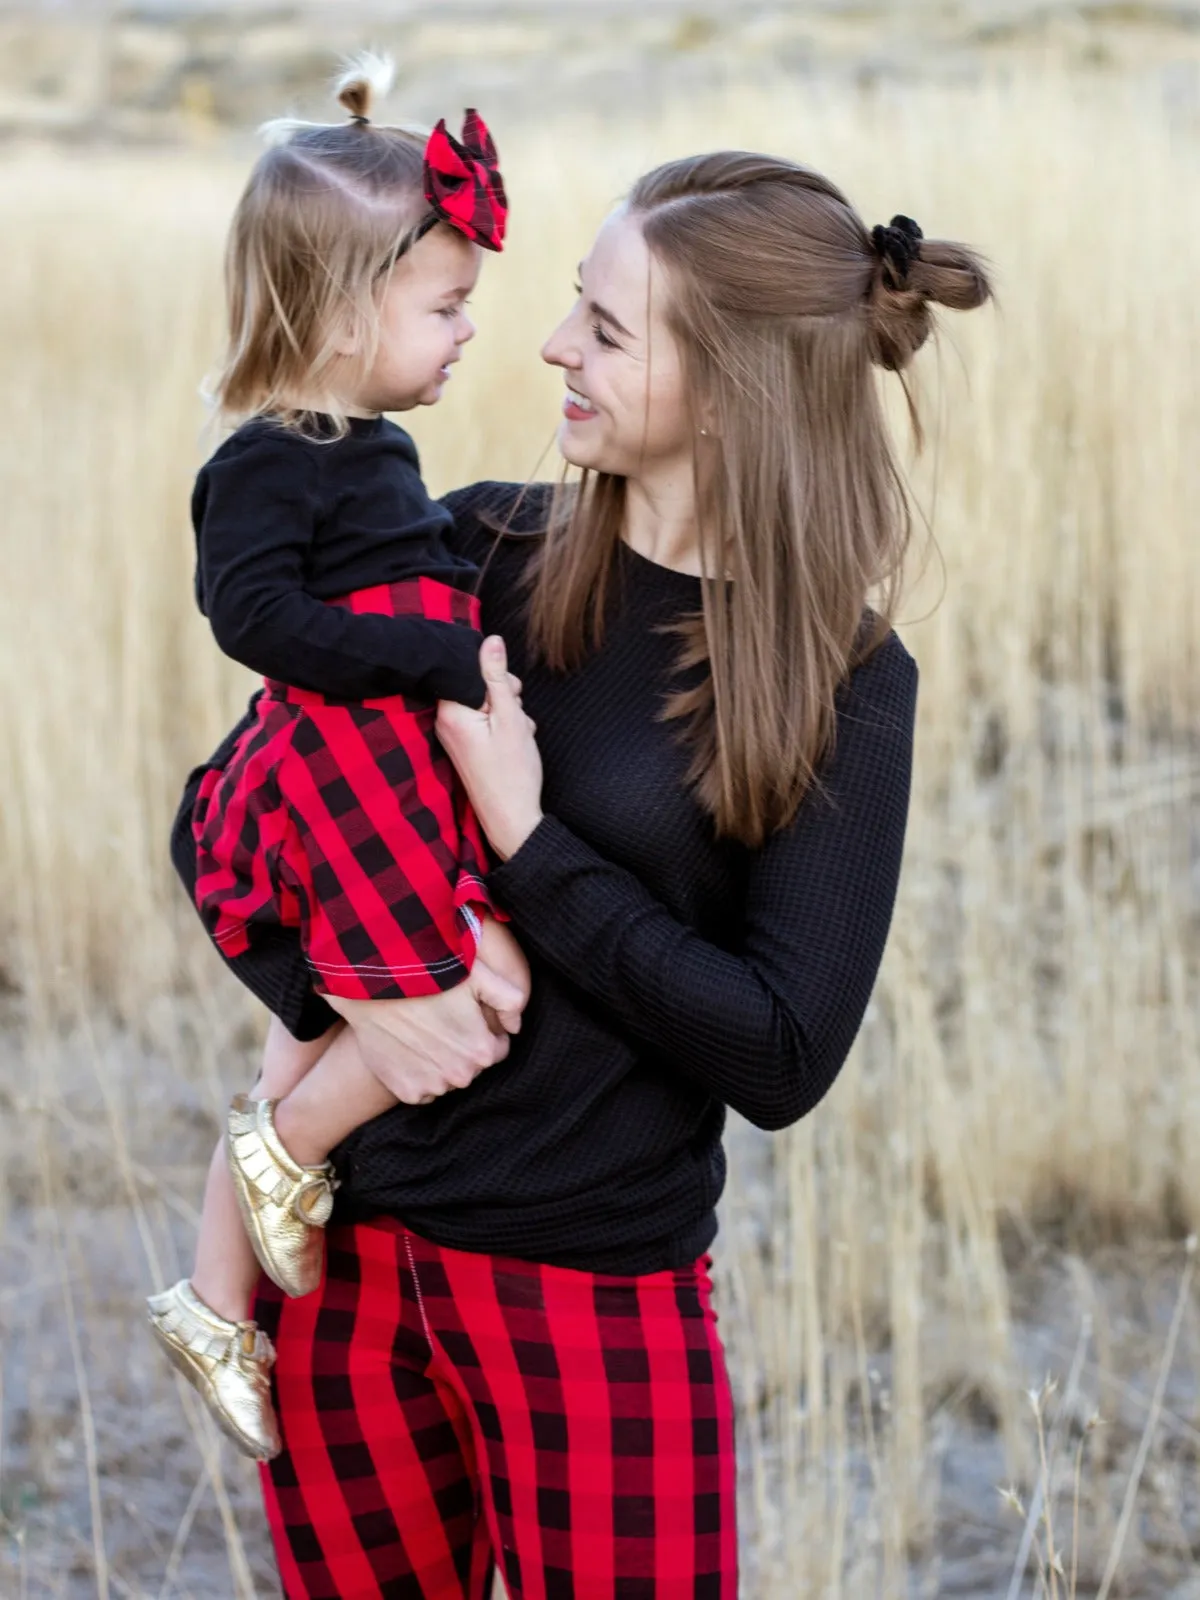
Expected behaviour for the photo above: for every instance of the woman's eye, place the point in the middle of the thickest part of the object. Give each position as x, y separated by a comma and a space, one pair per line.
603, 339
578, 289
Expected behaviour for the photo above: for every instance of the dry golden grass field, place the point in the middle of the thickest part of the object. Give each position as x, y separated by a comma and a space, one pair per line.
1002, 1185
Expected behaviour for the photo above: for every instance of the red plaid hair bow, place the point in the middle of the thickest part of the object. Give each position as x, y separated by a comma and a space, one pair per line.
463, 182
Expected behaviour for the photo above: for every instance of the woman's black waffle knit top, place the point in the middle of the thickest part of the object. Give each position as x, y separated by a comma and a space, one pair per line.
674, 974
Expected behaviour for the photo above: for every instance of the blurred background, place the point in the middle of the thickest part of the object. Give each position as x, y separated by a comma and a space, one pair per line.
959, 1298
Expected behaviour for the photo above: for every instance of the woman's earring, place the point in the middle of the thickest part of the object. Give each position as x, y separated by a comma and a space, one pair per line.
704, 433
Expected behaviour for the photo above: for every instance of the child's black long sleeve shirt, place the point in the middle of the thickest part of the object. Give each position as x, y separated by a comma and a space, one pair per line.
285, 522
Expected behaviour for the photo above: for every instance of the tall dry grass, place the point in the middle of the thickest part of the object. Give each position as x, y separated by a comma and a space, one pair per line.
1030, 1067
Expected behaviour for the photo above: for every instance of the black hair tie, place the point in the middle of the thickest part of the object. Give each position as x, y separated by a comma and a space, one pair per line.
897, 246
360, 121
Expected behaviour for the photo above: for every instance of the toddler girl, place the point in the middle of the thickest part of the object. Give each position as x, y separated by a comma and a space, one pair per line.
321, 563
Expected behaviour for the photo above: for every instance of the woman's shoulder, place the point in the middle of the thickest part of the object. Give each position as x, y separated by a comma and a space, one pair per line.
489, 515
882, 652
882, 685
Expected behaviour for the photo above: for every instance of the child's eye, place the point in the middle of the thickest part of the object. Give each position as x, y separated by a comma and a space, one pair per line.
578, 288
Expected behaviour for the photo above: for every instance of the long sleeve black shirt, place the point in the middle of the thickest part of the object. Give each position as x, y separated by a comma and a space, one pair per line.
674, 974
285, 522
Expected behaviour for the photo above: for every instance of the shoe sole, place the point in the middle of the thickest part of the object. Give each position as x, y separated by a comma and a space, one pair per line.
180, 1360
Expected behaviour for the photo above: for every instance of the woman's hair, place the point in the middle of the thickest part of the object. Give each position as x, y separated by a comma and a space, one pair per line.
326, 209
782, 303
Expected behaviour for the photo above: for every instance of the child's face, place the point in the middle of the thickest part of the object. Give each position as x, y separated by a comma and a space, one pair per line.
423, 323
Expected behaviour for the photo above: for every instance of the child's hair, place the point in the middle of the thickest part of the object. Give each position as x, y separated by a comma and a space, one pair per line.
326, 209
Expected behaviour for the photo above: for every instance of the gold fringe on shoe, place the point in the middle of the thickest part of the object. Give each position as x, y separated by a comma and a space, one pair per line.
227, 1363
284, 1206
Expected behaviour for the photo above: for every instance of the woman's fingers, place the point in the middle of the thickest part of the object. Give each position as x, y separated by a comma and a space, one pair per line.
503, 699
496, 755
423, 1047
498, 995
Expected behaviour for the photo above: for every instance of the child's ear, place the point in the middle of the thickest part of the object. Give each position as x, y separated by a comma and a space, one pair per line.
344, 337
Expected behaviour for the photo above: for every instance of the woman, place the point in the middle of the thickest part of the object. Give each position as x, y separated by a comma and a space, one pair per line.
514, 1351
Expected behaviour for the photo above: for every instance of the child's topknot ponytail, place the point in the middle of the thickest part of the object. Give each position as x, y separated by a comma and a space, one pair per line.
365, 80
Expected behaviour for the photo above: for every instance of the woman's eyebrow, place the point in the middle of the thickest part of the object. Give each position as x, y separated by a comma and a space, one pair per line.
601, 314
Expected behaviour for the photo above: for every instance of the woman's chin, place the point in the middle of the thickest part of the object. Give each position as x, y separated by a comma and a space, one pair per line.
577, 451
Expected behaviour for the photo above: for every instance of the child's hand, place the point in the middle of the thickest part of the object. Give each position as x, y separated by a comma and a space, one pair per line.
499, 950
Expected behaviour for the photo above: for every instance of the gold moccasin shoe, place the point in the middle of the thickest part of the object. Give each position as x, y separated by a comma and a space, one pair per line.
285, 1206
227, 1363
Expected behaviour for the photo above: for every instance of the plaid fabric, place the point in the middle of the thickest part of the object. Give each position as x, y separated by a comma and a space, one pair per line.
463, 182
438, 1406
348, 822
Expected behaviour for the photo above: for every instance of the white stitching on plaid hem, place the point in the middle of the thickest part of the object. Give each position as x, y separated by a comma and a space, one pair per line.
472, 922
447, 965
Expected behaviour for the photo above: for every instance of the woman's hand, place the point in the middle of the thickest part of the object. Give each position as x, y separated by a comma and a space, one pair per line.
496, 754
421, 1048
501, 954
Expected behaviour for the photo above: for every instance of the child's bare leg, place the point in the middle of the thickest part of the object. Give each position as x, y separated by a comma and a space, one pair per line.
226, 1270
286, 1060
337, 1096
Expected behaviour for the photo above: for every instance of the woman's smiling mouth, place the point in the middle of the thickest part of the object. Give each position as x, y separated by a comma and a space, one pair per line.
576, 408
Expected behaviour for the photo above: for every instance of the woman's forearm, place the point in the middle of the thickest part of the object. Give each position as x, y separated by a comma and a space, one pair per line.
766, 1022
712, 1013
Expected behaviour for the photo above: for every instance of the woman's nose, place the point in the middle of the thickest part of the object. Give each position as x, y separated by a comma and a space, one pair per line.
560, 349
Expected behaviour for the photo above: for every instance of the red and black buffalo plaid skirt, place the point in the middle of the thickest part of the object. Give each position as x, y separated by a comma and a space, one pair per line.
443, 1411
347, 821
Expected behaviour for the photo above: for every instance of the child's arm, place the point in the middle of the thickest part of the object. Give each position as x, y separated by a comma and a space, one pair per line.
256, 515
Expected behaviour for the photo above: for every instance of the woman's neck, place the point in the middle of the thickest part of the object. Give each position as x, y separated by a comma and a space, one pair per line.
660, 522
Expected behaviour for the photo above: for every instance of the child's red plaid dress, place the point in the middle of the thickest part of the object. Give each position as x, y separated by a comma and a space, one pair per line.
347, 821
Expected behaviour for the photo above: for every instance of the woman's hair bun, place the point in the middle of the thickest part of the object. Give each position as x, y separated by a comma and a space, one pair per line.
939, 273
366, 78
